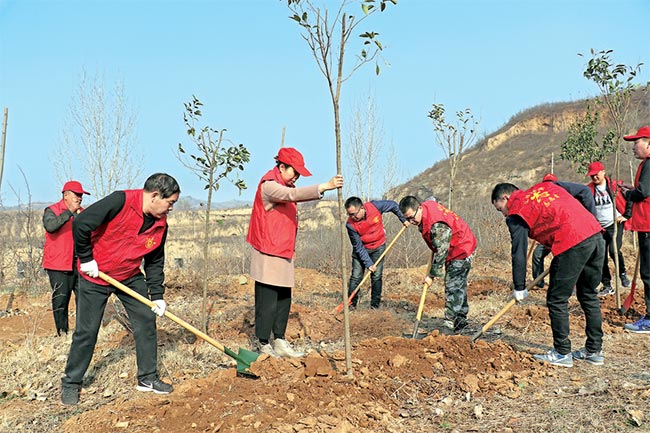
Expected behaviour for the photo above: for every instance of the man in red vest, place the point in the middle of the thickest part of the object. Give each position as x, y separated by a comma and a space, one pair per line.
604, 189
117, 235
368, 237
452, 242
58, 251
552, 216
639, 195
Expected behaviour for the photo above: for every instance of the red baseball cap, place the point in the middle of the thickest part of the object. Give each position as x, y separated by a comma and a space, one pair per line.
550, 177
290, 156
643, 132
595, 167
75, 187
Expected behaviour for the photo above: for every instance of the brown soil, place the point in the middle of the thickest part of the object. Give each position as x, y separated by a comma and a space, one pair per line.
438, 383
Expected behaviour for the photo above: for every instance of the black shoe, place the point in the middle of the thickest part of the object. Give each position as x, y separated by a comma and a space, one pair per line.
625, 281
606, 291
69, 396
157, 386
460, 325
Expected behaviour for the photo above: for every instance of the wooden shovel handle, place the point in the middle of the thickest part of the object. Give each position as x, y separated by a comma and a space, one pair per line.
167, 314
339, 307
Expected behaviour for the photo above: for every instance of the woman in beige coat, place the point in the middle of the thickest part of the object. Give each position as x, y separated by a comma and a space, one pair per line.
272, 234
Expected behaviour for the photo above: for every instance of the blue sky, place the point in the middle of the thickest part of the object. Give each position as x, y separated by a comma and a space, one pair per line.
245, 60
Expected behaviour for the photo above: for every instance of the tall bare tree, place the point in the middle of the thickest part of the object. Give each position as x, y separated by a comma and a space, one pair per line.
364, 150
453, 137
328, 36
97, 141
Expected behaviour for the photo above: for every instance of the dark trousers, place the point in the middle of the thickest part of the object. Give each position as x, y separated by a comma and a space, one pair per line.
608, 235
63, 283
91, 302
644, 267
539, 254
272, 306
358, 269
581, 266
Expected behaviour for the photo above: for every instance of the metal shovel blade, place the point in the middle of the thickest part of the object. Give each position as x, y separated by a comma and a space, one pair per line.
244, 360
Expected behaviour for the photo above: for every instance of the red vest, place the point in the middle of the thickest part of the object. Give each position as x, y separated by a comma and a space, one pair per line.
273, 232
640, 220
58, 252
463, 242
117, 246
555, 218
371, 228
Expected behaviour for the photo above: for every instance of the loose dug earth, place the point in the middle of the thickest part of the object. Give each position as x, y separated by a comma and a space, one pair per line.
439, 383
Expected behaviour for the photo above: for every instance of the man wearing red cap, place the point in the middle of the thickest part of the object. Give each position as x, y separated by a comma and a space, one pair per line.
639, 195
272, 234
604, 190
58, 252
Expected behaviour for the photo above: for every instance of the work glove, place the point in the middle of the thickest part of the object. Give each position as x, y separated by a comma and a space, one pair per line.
520, 295
90, 268
159, 307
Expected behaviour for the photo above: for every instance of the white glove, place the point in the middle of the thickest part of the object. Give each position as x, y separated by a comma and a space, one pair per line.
520, 295
160, 307
90, 268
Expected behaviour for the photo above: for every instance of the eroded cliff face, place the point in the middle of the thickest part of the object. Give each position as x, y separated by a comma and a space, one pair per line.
545, 123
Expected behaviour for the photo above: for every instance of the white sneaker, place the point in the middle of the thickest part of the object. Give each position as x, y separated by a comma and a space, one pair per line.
268, 349
284, 349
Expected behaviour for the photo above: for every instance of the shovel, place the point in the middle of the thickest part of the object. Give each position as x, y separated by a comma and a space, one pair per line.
243, 357
421, 306
339, 308
509, 305
630, 298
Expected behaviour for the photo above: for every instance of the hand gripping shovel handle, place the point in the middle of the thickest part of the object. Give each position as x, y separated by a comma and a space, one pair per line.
509, 305
242, 364
339, 307
630, 298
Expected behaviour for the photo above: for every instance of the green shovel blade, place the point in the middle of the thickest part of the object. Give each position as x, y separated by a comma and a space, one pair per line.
244, 360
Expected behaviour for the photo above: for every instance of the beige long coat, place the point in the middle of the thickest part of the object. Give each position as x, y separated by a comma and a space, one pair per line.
273, 270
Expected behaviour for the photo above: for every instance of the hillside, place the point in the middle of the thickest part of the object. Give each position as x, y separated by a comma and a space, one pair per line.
520, 152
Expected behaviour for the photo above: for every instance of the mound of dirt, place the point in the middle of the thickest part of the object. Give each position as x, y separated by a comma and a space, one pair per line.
315, 393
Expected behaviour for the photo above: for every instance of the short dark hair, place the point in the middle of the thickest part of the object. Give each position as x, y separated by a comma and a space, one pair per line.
353, 201
163, 183
408, 202
502, 188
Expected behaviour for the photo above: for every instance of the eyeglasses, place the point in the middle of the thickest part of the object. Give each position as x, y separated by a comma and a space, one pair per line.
356, 214
412, 217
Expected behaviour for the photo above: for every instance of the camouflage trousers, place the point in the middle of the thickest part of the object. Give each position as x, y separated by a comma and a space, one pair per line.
456, 306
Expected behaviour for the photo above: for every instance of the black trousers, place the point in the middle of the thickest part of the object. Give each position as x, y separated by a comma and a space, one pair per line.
644, 267
375, 278
91, 302
272, 306
63, 283
581, 266
608, 235
539, 254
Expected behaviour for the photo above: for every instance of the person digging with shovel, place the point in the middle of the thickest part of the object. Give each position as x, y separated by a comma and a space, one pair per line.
367, 235
117, 235
552, 216
272, 234
453, 244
